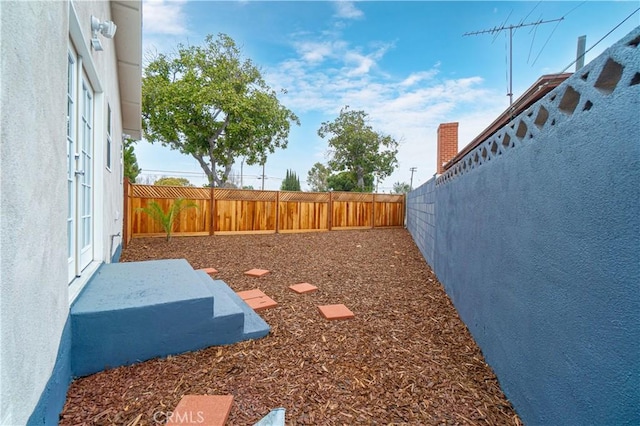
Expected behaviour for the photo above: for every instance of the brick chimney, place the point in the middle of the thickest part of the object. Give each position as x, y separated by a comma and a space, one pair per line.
447, 144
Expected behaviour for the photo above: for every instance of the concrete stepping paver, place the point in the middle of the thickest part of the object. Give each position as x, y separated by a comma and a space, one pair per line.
256, 272
209, 270
257, 300
261, 303
303, 288
336, 312
210, 410
250, 294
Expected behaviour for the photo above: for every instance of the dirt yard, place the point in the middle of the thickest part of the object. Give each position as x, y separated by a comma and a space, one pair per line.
406, 357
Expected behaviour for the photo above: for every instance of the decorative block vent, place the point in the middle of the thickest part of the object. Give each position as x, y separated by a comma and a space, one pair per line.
579, 94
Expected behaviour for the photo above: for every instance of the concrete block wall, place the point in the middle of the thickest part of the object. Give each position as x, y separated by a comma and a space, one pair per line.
421, 218
537, 241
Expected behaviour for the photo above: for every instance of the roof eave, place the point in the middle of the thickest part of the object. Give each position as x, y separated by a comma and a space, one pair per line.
127, 14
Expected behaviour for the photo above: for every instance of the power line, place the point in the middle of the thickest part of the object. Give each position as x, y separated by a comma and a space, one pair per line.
545, 43
496, 30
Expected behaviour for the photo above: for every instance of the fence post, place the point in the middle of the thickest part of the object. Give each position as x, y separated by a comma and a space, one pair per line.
212, 221
125, 213
373, 210
330, 211
278, 212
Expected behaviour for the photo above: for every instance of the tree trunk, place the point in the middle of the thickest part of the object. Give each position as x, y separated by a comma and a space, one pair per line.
360, 176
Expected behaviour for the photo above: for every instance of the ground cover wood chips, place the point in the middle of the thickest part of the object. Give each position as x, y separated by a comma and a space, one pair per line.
406, 358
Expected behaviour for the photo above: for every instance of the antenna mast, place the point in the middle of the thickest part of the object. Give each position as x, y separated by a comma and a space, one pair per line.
501, 28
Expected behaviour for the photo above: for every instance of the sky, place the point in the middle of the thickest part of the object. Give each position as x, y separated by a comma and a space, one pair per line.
407, 64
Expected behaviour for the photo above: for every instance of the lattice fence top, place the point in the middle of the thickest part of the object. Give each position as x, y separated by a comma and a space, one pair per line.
352, 196
389, 198
194, 193
304, 197
245, 195
173, 192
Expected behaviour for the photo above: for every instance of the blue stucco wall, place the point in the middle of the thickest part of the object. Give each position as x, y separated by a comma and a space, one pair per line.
537, 242
53, 397
421, 218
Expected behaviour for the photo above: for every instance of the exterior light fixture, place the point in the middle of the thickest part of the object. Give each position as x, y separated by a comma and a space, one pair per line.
106, 28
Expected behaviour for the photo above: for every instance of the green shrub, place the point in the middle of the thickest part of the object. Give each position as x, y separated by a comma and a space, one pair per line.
166, 219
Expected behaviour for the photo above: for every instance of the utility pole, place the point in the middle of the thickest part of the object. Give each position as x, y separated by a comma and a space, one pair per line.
412, 169
501, 28
263, 176
241, 173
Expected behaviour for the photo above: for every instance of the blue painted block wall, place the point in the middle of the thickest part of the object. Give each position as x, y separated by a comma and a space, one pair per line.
537, 242
421, 219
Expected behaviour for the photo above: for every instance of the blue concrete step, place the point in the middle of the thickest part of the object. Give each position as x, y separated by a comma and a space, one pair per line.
254, 326
135, 311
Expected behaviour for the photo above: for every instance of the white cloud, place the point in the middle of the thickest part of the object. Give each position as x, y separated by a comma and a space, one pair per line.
317, 52
347, 10
417, 77
164, 17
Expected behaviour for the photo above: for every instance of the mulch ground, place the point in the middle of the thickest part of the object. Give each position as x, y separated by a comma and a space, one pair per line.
406, 357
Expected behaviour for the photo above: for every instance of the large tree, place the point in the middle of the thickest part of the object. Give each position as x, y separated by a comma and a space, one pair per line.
357, 148
317, 177
347, 181
210, 103
130, 162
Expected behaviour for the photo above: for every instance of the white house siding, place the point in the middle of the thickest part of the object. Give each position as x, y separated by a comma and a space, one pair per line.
35, 294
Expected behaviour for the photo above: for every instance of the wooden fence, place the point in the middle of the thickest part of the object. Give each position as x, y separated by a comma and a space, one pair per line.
236, 211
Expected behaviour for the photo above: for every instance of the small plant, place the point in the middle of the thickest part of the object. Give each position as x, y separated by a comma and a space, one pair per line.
166, 219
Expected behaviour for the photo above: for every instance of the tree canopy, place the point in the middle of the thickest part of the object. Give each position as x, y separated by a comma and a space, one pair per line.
348, 181
401, 188
210, 103
357, 148
172, 181
317, 178
290, 182
129, 160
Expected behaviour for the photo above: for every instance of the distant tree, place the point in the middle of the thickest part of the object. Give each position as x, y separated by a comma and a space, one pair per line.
347, 181
210, 103
247, 187
317, 178
172, 181
129, 160
147, 179
401, 188
290, 182
357, 148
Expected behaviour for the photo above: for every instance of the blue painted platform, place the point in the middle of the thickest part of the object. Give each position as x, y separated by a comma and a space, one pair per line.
135, 311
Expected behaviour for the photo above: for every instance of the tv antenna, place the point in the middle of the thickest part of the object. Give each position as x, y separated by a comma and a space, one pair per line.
501, 28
